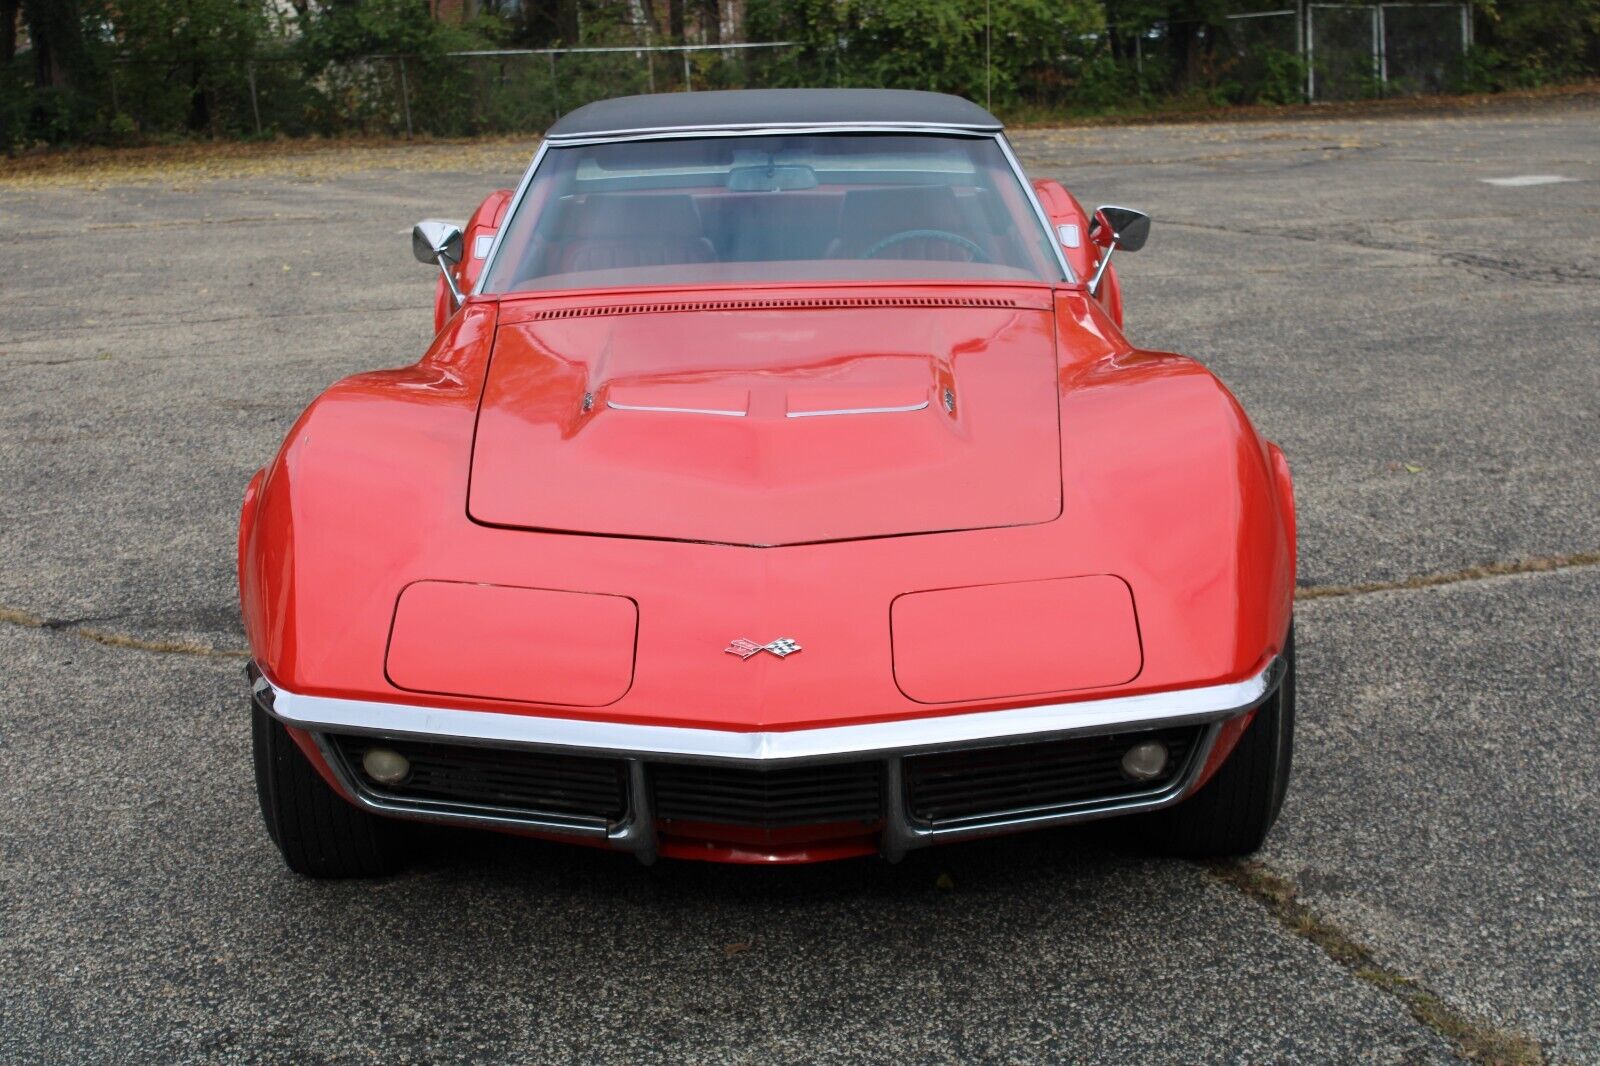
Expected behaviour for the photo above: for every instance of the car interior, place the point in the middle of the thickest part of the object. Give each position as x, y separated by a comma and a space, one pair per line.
783, 206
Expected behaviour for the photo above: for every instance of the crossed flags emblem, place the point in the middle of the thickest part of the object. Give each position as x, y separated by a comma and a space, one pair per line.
745, 648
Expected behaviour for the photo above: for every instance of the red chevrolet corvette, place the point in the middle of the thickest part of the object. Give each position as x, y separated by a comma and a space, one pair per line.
780, 486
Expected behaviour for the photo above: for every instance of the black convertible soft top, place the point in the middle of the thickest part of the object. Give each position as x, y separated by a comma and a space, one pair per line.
743, 108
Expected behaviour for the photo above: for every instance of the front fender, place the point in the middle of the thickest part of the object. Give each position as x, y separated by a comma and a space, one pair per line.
362, 467
1192, 506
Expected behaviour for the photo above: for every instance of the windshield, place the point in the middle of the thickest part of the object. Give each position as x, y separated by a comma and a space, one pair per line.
786, 207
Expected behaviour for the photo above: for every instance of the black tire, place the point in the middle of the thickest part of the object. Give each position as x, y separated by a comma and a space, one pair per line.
319, 833
1233, 812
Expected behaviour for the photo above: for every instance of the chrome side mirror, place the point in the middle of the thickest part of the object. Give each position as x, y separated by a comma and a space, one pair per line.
434, 240
1113, 228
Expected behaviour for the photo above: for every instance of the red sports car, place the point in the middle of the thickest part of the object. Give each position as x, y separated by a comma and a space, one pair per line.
780, 486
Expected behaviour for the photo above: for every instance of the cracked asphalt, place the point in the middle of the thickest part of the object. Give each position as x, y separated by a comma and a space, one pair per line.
1424, 345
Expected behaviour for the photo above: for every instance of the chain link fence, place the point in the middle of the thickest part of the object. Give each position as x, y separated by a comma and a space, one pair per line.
1308, 52
1317, 52
1422, 45
450, 94
1263, 51
1354, 52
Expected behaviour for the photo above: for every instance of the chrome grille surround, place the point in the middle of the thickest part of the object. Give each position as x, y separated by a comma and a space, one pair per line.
890, 745
978, 785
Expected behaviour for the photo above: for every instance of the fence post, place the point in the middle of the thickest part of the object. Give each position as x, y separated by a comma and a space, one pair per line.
555, 86
1311, 54
112, 70
255, 108
687, 86
405, 94
1380, 61
1300, 34
1466, 28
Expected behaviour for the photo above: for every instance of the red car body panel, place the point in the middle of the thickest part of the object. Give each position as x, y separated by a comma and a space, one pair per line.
718, 425
1165, 484
1069, 484
1055, 635
569, 648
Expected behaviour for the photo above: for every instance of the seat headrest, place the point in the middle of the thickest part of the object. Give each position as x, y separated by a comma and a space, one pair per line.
883, 211
609, 216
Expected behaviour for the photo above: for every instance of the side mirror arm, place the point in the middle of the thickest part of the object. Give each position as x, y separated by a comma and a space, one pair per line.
455, 290
1100, 270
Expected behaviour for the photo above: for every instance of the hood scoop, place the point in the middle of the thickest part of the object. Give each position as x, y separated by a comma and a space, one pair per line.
752, 428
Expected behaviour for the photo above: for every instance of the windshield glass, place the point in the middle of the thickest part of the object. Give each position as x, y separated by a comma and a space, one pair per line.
787, 207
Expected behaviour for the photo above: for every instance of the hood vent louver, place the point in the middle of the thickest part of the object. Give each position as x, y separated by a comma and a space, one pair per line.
800, 303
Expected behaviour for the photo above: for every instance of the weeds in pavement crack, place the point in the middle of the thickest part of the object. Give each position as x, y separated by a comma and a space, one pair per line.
12, 616
1543, 564
1475, 1039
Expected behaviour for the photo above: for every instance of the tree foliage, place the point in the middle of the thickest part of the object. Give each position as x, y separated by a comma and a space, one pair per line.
110, 69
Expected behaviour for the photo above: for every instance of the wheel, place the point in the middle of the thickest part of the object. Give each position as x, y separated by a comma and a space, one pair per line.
319, 833
1232, 812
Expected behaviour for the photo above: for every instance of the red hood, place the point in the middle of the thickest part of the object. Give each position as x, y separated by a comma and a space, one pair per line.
772, 426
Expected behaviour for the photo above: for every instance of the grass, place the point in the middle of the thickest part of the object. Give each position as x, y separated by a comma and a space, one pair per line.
1198, 109
312, 159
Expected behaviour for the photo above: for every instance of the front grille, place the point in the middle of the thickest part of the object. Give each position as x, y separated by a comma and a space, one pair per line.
959, 787
532, 782
805, 795
946, 790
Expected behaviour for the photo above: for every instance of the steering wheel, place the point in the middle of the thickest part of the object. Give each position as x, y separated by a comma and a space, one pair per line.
972, 248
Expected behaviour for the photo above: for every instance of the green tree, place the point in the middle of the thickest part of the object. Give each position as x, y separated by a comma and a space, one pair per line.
1534, 42
957, 46
198, 46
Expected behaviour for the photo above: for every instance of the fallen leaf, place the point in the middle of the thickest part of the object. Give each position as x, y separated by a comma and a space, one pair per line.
736, 948
944, 881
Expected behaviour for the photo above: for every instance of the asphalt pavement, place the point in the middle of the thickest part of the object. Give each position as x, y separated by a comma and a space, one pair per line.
1423, 343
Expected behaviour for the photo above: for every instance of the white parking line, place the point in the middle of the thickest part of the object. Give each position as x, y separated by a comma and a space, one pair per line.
1528, 179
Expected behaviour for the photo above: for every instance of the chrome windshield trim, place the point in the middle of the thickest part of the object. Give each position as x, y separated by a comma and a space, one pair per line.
1038, 209
516, 203
1210, 703
736, 129
755, 131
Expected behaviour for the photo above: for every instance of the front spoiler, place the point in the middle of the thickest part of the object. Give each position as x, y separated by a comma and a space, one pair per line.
891, 742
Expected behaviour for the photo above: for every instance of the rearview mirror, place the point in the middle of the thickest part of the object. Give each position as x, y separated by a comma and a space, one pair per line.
1113, 228
434, 240
784, 177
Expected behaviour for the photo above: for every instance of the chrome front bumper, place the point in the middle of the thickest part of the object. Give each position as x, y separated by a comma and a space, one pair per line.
891, 742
